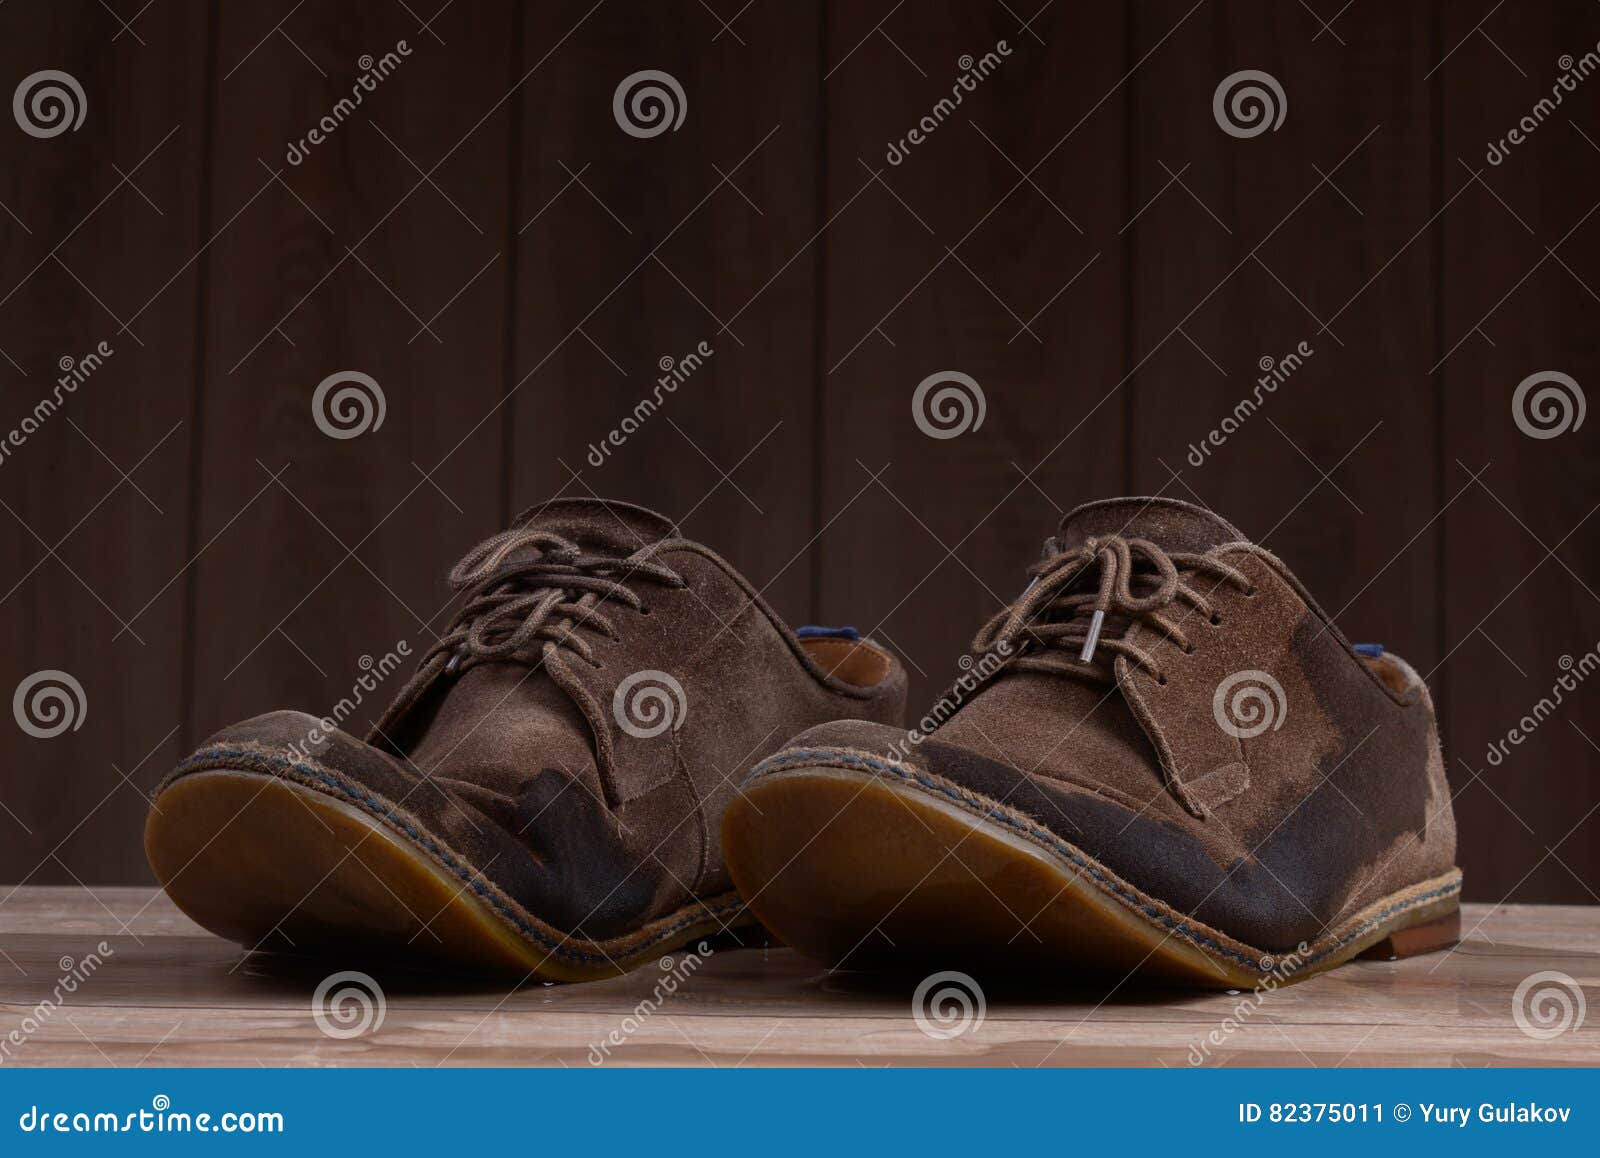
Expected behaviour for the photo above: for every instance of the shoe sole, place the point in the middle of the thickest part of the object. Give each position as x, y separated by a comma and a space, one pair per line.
278, 866
860, 870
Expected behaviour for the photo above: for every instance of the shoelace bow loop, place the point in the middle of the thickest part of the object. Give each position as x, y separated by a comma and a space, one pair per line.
1048, 614
530, 585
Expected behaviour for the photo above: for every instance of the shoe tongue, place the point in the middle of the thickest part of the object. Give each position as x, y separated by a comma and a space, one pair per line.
536, 724
1171, 524
600, 523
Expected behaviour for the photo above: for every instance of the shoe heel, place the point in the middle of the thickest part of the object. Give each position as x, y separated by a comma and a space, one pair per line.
1418, 939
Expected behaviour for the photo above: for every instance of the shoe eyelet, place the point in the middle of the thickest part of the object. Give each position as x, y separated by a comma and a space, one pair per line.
1215, 620
1162, 679
1250, 593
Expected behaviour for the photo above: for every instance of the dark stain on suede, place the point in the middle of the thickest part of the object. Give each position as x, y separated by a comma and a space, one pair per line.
1161, 859
588, 881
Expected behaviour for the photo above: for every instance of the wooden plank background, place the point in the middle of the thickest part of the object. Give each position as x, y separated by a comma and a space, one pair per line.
1080, 236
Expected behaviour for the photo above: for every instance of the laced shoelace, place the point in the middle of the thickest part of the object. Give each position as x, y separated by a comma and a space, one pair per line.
528, 585
1047, 615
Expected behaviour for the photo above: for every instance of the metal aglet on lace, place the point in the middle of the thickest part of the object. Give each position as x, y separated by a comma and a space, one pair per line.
1095, 623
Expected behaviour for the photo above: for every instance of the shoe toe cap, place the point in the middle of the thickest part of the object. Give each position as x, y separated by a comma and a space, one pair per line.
1130, 848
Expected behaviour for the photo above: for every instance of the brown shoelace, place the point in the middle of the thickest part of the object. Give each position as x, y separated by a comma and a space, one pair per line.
1047, 615
529, 586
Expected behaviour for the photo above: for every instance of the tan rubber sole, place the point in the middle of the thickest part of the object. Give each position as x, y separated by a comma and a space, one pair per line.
277, 866
859, 870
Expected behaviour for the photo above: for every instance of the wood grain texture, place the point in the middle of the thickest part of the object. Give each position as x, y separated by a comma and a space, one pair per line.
97, 232
1521, 600
635, 250
1077, 233
383, 252
989, 249
1303, 293
167, 994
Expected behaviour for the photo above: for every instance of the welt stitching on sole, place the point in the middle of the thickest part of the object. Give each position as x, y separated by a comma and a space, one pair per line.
209, 759
786, 761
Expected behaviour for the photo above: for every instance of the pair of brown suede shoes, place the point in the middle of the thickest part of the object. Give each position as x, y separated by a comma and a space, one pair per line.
1162, 758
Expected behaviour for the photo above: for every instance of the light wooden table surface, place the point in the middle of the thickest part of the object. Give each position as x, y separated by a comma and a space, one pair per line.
167, 993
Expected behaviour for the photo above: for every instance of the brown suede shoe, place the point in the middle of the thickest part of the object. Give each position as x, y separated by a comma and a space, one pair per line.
1164, 759
545, 795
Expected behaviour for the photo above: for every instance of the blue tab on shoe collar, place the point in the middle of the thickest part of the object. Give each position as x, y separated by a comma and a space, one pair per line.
812, 632
1369, 650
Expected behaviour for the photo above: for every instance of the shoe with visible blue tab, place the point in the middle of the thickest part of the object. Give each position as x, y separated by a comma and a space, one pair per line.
1163, 759
544, 797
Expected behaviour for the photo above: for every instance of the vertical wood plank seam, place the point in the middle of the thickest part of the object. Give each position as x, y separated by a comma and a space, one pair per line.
190, 640
508, 426
1130, 309
819, 299
1441, 554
